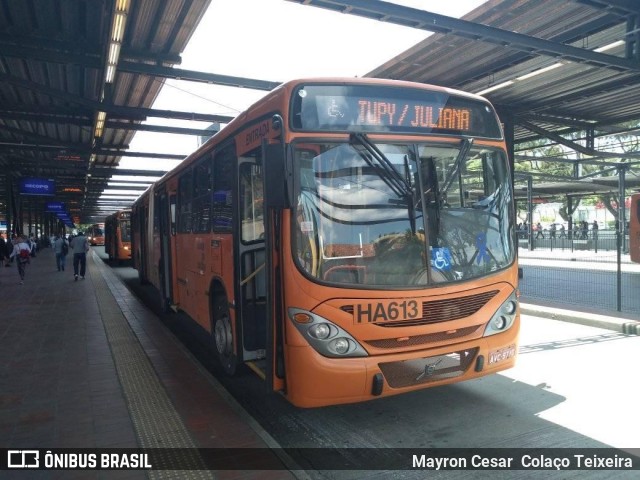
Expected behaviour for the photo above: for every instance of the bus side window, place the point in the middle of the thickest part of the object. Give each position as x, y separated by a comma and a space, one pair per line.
184, 202
202, 196
223, 167
251, 202
172, 206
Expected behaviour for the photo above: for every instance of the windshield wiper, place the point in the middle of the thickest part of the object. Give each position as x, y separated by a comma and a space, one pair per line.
380, 163
455, 168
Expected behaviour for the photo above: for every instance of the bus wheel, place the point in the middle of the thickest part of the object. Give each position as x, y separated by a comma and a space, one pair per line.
223, 337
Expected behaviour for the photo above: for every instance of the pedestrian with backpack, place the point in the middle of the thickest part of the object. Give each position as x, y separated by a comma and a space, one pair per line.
22, 253
61, 249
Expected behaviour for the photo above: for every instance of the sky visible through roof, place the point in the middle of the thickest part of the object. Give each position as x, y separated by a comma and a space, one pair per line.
272, 40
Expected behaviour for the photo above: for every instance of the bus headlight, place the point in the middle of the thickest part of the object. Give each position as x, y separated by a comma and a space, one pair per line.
321, 331
509, 307
327, 338
504, 317
500, 322
340, 345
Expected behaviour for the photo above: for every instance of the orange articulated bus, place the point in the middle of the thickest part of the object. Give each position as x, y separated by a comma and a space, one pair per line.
95, 234
634, 228
347, 239
117, 235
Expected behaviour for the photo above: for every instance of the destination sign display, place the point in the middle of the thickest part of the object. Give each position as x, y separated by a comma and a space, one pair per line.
391, 109
37, 186
54, 207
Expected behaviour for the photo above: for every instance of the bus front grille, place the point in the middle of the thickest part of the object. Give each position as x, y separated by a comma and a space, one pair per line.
436, 311
408, 373
427, 338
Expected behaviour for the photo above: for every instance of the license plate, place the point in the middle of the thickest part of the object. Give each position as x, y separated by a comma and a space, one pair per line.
501, 354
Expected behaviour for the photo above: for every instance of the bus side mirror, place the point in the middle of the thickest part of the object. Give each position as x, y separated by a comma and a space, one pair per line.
275, 176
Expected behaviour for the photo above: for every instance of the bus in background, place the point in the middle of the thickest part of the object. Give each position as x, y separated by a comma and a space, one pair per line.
346, 239
117, 235
95, 234
634, 228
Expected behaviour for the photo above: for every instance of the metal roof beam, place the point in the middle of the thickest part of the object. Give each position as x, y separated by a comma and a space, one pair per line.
41, 53
195, 76
68, 147
156, 128
33, 46
525, 158
135, 188
555, 120
87, 122
45, 113
135, 113
617, 84
87, 150
423, 20
64, 166
575, 146
518, 57
26, 134
126, 153
619, 7
108, 172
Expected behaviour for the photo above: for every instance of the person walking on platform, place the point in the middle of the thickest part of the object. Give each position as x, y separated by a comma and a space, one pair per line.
594, 230
563, 233
10, 241
3, 250
539, 232
22, 253
80, 246
61, 249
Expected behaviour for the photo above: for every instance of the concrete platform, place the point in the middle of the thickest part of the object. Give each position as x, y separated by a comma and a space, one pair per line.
83, 364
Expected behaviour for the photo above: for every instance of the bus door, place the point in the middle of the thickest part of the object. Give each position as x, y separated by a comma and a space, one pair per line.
251, 309
275, 200
166, 285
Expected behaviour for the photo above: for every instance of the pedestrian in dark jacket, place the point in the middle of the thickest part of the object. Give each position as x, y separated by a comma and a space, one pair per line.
80, 247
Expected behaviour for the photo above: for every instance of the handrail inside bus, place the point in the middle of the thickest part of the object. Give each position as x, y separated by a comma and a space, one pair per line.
255, 272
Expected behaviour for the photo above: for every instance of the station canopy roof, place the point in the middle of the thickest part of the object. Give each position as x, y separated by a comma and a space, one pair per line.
78, 78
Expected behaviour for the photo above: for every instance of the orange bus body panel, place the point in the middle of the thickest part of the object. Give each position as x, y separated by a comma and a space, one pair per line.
95, 234
634, 228
117, 244
201, 262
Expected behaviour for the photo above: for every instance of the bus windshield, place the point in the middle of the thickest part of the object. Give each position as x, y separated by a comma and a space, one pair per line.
125, 230
401, 215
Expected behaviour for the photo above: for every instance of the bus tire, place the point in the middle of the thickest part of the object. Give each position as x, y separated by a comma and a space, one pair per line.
223, 336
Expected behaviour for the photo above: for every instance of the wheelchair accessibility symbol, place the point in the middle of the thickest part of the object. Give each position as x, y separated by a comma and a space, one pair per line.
441, 259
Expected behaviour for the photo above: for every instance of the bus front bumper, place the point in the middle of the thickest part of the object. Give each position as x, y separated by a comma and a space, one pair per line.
314, 380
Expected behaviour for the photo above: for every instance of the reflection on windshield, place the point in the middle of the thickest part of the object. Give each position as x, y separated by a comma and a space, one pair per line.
449, 222
125, 230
